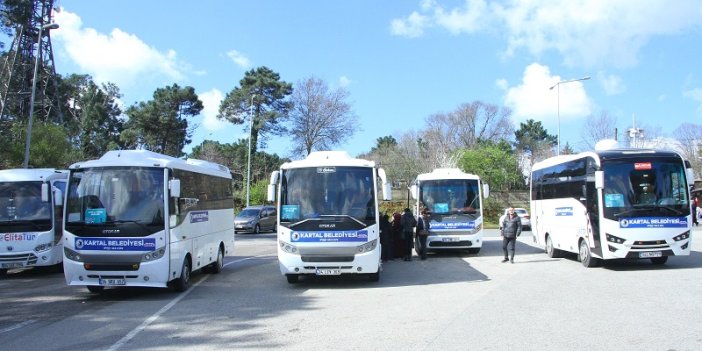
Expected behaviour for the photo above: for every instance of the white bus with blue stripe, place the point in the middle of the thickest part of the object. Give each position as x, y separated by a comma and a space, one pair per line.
328, 221
453, 199
613, 204
139, 218
31, 206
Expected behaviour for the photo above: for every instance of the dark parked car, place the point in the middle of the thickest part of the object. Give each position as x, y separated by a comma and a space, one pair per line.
256, 219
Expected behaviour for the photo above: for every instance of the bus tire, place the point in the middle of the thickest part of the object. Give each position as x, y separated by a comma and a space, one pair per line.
374, 277
217, 266
474, 250
585, 256
183, 282
257, 229
659, 260
96, 289
292, 278
3, 272
550, 250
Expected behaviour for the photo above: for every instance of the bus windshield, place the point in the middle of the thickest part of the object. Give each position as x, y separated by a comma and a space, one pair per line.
645, 188
449, 196
319, 192
117, 196
20, 202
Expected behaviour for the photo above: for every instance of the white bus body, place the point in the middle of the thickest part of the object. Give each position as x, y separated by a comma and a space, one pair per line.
454, 200
31, 206
328, 215
138, 218
610, 204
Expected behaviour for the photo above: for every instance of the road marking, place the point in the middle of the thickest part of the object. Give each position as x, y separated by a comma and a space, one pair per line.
164, 309
17, 326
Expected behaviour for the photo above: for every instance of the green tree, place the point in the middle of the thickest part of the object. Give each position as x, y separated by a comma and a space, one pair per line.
262, 91
93, 117
384, 143
50, 147
533, 141
494, 163
160, 125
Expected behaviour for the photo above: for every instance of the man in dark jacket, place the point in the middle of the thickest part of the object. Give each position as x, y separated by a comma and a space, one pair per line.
511, 228
408, 223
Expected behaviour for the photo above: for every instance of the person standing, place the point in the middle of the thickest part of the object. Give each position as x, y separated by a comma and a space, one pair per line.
423, 232
385, 238
398, 249
511, 229
408, 223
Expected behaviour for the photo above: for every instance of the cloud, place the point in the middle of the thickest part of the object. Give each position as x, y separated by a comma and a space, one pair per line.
239, 59
344, 81
585, 32
211, 101
117, 57
410, 27
533, 98
612, 84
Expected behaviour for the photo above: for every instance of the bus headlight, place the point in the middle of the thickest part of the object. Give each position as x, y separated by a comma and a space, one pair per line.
682, 236
289, 248
72, 255
615, 239
153, 255
43, 247
369, 246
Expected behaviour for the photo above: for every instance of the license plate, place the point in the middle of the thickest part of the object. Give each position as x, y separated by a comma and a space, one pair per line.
650, 254
112, 282
328, 271
12, 265
449, 239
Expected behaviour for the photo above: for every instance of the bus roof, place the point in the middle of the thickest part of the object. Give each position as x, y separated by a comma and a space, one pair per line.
446, 173
145, 158
31, 174
328, 158
604, 154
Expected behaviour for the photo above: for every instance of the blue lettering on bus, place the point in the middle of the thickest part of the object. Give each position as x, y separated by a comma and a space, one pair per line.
199, 216
116, 244
452, 225
653, 222
329, 236
564, 211
8, 237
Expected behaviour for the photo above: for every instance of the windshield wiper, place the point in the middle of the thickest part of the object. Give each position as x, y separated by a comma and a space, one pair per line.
325, 217
122, 221
21, 222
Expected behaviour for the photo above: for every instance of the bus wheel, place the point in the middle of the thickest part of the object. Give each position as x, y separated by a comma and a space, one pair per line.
585, 256
181, 284
3, 272
257, 229
474, 250
96, 289
550, 250
216, 266
374, 277
292, 278
659, 260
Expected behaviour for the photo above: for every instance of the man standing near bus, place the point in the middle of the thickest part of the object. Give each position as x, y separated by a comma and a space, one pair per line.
511, 229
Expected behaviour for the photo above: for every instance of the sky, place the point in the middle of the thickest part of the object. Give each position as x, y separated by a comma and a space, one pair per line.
403, 60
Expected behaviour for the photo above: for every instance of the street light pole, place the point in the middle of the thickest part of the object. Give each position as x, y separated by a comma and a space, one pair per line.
47, 26
558, 102
248, 172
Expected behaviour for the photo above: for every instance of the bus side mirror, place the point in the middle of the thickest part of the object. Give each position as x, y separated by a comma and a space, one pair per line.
486, 190
599, 179
45, 192
58, 197
690, 176
414, 191
174, 185
387, 191
271, 193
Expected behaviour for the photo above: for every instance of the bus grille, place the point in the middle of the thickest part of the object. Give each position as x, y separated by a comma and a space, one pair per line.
450, 243
648, 245
28, 259
326, 258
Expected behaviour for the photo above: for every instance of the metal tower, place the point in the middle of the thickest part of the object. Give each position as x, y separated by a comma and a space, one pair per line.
19, 64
